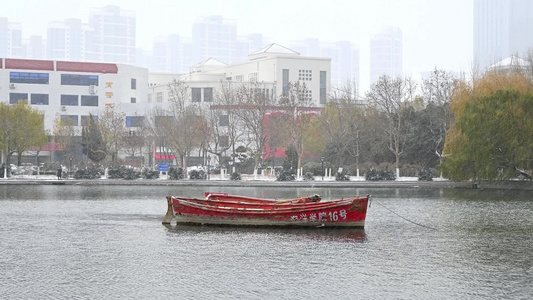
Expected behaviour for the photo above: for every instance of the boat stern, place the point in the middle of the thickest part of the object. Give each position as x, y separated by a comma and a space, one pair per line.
170, 215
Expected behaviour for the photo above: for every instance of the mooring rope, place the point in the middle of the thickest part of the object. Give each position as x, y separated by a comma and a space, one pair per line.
422, 225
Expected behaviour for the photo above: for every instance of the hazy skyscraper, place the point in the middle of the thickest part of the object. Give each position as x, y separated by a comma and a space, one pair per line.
344, 64
35, 47
114, 34
214, 37
10, 39
501, 28
344, 58
68, 40
386, 54
248, 44
167, 55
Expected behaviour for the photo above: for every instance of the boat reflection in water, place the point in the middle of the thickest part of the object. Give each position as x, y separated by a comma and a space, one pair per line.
346, 235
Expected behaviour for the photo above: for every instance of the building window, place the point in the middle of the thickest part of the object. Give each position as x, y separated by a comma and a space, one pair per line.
133, 84
306, 95
85, 120
159, 97
69, 100
196, 94
223, 120
223, 140
163, 121
14, 98
134, 121
26, 77
285, 80
238, 78
253, 77
89, 100
322, 87
74, 79
39, 99
305, 75
149, 98
69, 120
208, 94
133, 100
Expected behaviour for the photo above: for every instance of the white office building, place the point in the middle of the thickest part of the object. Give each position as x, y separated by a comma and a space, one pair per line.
71, 90
273, 66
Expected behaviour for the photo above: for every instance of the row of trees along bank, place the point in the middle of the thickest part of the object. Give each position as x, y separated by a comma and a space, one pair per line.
469, 129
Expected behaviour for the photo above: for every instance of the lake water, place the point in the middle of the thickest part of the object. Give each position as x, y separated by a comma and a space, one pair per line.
107, 242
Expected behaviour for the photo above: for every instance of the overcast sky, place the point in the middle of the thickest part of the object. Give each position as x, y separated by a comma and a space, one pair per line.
436, 33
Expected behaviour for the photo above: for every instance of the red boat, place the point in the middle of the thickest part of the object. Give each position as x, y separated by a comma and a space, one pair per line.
224, 209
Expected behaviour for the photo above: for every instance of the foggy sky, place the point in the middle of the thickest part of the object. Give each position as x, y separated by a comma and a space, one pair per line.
436, 33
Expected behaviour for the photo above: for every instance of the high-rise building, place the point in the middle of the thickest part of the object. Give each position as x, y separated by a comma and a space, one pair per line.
10, 39
386, 54
167, 55
502, 28
214, 37
114, 34
69, 40
35, 47
344, 58
247, 45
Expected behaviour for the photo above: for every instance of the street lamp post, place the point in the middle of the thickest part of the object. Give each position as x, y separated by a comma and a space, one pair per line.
322, 160
208, 163
70, 167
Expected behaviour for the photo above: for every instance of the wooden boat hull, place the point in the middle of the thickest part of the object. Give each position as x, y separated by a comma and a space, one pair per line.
338, 213
244, 199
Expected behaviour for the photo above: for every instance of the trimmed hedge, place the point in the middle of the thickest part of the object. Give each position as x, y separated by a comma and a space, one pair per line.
380, 174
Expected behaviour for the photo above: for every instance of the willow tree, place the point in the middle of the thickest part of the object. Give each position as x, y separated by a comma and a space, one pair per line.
21, 128
490, 137
7, 132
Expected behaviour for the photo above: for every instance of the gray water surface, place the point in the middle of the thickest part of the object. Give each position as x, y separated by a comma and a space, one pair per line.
107, 242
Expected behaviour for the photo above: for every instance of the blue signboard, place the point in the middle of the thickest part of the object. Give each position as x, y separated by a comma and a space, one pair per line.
163, 167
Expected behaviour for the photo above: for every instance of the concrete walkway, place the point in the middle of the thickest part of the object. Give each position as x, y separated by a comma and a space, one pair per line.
52, 180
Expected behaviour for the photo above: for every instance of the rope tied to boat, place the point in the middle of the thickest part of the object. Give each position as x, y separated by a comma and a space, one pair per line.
421, 225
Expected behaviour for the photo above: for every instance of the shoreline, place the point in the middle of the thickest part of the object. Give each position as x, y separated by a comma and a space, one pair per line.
440, 184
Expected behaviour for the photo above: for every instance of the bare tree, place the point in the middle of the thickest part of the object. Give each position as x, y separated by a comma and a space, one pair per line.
252, 103
297, 100
437, 92
178, 126
392, 97
223, 126
343, 120
112, 126
137, 140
